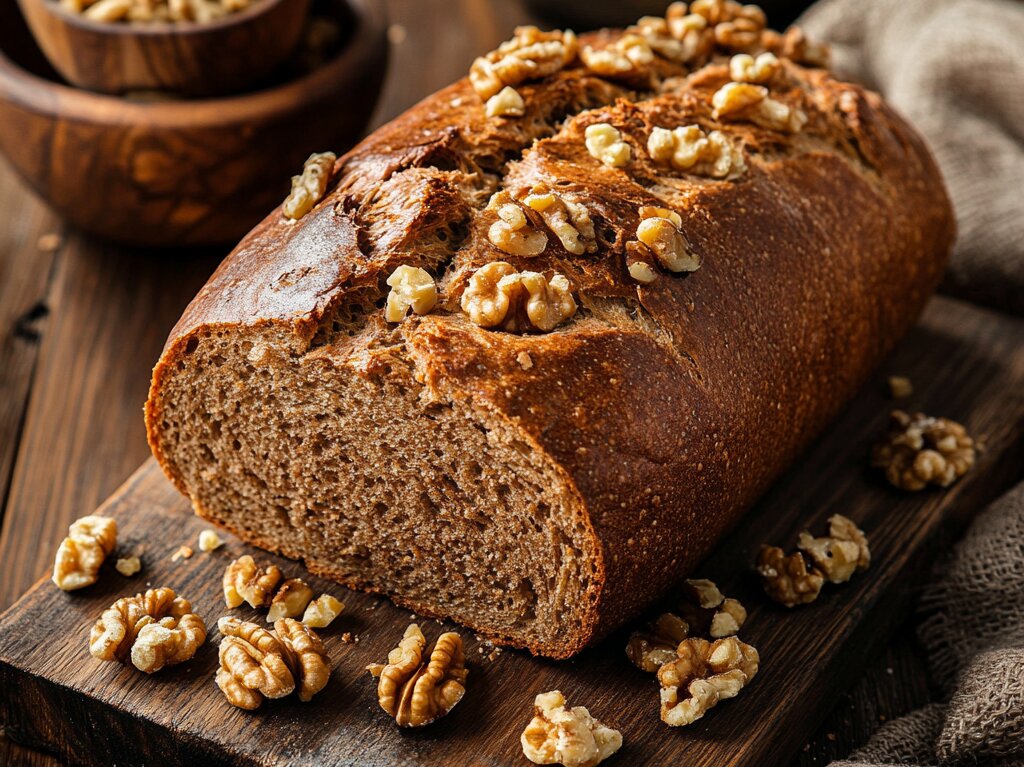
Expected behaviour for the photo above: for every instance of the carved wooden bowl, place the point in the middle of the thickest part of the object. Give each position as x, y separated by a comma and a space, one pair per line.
223, 56
186, 172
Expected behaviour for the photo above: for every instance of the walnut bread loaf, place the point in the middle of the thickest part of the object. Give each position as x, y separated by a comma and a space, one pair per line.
521, 356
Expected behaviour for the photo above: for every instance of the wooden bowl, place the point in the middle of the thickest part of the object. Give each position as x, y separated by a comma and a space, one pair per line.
183, 172
210, 59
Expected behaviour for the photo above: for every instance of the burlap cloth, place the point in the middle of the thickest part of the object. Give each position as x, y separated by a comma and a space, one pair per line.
956, 69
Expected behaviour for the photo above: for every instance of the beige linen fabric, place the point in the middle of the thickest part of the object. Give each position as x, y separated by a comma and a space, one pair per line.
956, 69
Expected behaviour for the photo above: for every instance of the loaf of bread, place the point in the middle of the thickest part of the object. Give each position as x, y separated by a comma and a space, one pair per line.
660, 270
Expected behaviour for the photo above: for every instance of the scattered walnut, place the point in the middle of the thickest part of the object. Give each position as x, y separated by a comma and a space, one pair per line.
659, 230
309, 187
796, 46
128, 566
411, 288
787, 579
80, 555
182, 552
245, 581
604, 142
505, 103
209, 540
306, 657
688, 148
322, 611
567, 736
499, 296
744, 68
627, 56
680, 37
252, 664
290, 601
919, 450
569, 221
709, 672
529, 55
154, 629
513, 233
900, 387
650, 649
708, 612
746, 101
416, 692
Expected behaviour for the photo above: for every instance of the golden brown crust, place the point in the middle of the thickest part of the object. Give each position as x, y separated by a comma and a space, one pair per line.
669, 407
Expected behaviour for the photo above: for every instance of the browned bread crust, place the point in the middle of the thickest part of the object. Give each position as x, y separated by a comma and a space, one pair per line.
660, 411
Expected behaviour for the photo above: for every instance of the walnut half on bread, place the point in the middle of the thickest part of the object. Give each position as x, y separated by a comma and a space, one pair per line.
540, 459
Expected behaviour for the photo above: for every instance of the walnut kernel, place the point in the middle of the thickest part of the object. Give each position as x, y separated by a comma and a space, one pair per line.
209, 541
569, 221
245, 581
417, 692
747, 101
626, 56
305, 656
499, 296
571, 737
744, 68
154, 630
920, 450
709, 672
80, 555
513, 233
689, 148
290, 600
411, 288
708, 612
604, 142
252, 664
308, 188
787, 579
529, 55
650, 649
322, 611
840, 554
505, 103
128, 566
900, 387
659, 231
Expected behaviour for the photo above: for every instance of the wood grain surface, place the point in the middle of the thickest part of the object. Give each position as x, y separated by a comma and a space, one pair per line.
966, 364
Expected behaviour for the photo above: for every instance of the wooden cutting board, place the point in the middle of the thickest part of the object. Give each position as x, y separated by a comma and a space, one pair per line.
965, 363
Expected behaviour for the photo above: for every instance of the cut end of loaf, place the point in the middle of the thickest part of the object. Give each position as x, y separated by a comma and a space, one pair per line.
378, 483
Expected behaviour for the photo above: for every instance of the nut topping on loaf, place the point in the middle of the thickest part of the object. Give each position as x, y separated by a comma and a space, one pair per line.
579, 417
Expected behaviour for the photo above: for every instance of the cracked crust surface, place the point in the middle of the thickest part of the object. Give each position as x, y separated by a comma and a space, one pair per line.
642, 429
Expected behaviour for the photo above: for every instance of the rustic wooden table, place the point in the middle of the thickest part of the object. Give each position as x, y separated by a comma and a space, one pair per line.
81, 323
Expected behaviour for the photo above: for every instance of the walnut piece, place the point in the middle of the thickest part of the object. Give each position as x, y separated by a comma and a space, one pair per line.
128, 566
680, 37
182, 552
513, 233
155, 629
290, 600
709, 672
796, 46
417, 692
209, 541
650, 649
529, 55
747, 101
568, 736
80, 555
499, 296
744, 68
305, 656
505, 103
787, 579
308, 188
707, 611
629, 55
144, 11
252, 664
245, 581
900, 387
322, 611
920, 450
604, 142
569, 221
411, 288
659, 230
688, 148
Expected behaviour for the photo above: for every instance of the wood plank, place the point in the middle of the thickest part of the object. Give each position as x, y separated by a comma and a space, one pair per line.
966, 363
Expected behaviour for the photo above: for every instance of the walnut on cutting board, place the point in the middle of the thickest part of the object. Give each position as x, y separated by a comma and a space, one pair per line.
290, 600
245, 581
651, 648
322, 611
920, 450
707, 672
416, 691
79, 557
154, 629
708, 612
571, 737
